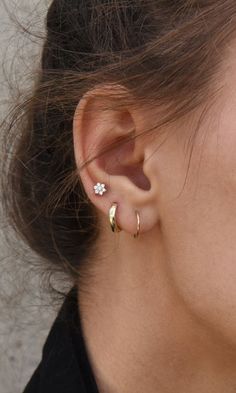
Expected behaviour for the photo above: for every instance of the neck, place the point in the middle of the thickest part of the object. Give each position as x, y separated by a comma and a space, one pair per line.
141, 336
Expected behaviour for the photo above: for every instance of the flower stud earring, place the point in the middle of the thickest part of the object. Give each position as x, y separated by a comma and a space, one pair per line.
99, 188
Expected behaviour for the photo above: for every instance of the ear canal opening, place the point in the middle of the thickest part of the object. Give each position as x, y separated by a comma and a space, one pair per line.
138, 177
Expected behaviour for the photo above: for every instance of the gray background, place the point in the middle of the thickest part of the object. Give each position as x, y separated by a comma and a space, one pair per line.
26, 311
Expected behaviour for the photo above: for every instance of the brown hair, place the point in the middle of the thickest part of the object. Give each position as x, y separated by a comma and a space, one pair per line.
164, 52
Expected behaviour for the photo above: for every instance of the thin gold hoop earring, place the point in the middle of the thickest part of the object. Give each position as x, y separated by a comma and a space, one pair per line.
112, 218
138, 225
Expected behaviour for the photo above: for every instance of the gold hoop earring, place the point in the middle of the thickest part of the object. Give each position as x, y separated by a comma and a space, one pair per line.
112, 218
138, 225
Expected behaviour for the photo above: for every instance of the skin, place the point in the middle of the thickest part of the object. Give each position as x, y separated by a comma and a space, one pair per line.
160, 315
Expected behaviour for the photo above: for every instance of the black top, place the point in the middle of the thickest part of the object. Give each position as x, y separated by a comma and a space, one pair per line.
65, 366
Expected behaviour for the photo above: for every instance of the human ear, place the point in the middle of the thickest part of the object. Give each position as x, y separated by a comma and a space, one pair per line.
129, 178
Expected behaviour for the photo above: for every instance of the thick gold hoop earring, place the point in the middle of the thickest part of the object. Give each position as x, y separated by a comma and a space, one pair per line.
138, 225
112, 218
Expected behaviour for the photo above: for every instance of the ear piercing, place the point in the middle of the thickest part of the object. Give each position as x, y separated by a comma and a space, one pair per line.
138, 224
99, 189
112, 218
113, 222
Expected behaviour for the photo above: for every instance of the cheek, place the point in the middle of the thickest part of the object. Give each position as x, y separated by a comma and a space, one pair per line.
199, 227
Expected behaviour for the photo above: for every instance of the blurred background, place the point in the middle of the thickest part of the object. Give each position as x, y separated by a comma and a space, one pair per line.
26, 308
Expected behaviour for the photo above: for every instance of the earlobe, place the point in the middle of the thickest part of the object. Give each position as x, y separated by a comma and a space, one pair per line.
120, 168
